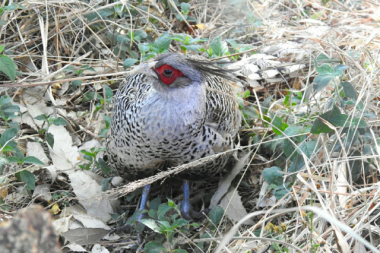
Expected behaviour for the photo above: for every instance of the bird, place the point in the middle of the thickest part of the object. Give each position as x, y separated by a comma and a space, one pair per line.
171, 111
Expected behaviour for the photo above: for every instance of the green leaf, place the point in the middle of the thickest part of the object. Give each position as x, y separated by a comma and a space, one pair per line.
216, 215
151, 224
41, 117
321, 81
320, 127
104, 166
197, 40
162, 43
2, 48
106, 12
339, 69
91, 96
60, 122
180, 251
7, 148
273, 175
279, 192
218, 47
11, 7
155, 203
107, 120
179, 37
28, 178
185, 8
359, 123
153, 214
14, 159
123, 38
322, 58
278, 124
109, 92
349, 90
338, 120
129, 62
76, 83
162, 210
144, 47
8, 67
191, 47
154, 247
8, 135
307, 148
50, 139
32, 160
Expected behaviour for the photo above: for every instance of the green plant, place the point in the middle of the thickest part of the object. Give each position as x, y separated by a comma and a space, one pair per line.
100, 100
149, 50
10, 152
62, 195
275, 179
217, 48
78, 71
168, 227
49, 122
103, 132
7, 66
187, 42
93, 163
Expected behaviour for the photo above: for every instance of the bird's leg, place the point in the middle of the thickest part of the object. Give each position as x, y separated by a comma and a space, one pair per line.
187, 211
143, 205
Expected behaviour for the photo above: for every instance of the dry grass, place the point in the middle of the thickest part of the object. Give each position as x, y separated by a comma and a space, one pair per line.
45, 38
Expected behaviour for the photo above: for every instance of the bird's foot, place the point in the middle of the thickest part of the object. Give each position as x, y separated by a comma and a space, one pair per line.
188, 213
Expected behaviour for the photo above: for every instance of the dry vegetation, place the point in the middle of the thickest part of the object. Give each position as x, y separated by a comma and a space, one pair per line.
310, 181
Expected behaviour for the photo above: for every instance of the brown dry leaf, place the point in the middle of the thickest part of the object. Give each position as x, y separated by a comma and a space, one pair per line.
233, 206
85, 236
225, 183
87, 188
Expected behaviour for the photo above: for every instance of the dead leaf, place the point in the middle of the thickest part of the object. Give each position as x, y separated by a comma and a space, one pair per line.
64, 155
225, 183
85, 236
88, 189
233, 207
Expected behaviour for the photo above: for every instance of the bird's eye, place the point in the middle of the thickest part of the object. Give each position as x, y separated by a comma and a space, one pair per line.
167, 72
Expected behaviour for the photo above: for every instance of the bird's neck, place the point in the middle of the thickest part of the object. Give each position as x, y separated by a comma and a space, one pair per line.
183, 104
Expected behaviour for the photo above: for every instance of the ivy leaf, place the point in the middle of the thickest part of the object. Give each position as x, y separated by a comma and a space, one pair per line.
129, 62
154, 247
8, 67
8, 135
50, 139
349, 90
218, 47
32, 160
28, 178
273, 175
151, 224
216, 215
60, 122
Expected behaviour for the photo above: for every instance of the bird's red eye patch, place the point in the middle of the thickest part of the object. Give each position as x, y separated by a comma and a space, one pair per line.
168, 74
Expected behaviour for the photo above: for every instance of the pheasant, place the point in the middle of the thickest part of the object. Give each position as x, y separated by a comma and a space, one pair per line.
172, 111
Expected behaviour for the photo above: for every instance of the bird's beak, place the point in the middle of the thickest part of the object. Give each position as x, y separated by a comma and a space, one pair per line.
146, 68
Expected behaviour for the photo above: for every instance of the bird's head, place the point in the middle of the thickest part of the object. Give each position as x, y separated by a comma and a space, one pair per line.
176, 70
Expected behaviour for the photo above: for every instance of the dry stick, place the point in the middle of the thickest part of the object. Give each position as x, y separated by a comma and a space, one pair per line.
27, 85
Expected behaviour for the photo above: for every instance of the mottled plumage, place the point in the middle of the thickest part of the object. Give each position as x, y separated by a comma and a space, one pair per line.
156, 126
